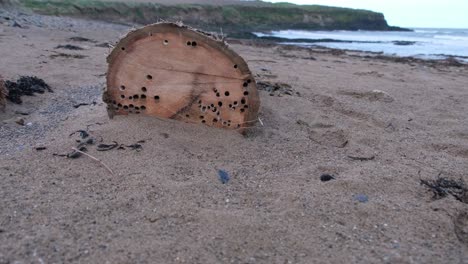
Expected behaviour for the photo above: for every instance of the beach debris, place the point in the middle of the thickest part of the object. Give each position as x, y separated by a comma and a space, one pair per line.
107, 147
276, 89
172, 71
223, 176
75, 153
326, 177
104, 45
83, 104
67, 56
137, 147
20, 121
362, 158
81, 39
362, 198
3, 95
370, 73
89, 141
23, 113
451, 61
40, 148
442, 187
93, 158
69, 47
25, 85
83, 133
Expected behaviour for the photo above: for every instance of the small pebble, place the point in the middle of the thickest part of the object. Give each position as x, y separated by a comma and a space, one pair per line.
326, 177
20, 121
223, 176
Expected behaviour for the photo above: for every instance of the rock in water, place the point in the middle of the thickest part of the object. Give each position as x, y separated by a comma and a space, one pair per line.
3, 94
171, 71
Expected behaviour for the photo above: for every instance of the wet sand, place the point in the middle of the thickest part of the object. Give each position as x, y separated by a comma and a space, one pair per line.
166, 204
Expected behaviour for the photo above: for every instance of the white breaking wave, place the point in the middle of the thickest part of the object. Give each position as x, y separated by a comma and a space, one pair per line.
429, 43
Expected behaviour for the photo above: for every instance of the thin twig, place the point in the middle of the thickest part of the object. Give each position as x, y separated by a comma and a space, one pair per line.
362, 158
260, 120
96, 159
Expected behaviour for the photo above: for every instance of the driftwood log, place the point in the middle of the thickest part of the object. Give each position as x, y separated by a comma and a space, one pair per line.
3, 94
171, 71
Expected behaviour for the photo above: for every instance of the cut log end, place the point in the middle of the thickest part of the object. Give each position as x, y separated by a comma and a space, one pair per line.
170, 71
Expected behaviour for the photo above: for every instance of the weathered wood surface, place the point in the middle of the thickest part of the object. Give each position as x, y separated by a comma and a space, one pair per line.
3, 94
170, 71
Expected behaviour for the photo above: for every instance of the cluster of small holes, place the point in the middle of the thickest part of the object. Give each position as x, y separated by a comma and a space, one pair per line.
213, 107
192, 43
130, 107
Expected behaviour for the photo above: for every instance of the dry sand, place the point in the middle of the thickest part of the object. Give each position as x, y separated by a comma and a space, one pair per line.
165, 203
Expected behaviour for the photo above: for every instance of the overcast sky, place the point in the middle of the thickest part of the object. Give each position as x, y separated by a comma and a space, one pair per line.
407, 13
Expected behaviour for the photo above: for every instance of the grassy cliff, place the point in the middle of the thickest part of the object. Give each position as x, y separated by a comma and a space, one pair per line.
231, 18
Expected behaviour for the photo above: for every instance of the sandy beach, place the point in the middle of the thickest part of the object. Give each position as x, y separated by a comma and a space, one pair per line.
378, 126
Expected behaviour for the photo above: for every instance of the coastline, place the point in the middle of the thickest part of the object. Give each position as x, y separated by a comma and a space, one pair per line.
432, 44
379, 125
450, 60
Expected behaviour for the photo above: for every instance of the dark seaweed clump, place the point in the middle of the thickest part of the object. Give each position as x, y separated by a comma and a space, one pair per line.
69, 47
25, 85
443, 187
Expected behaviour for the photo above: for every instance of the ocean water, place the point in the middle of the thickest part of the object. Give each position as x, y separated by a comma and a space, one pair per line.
427, 43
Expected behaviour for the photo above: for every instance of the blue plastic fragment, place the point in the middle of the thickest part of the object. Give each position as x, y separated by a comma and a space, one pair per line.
362, 198
223, 176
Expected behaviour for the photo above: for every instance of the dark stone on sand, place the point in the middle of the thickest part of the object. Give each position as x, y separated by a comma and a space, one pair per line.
326, 177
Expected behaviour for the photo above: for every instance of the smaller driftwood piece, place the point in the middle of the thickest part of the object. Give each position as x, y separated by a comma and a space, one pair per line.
172, 71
